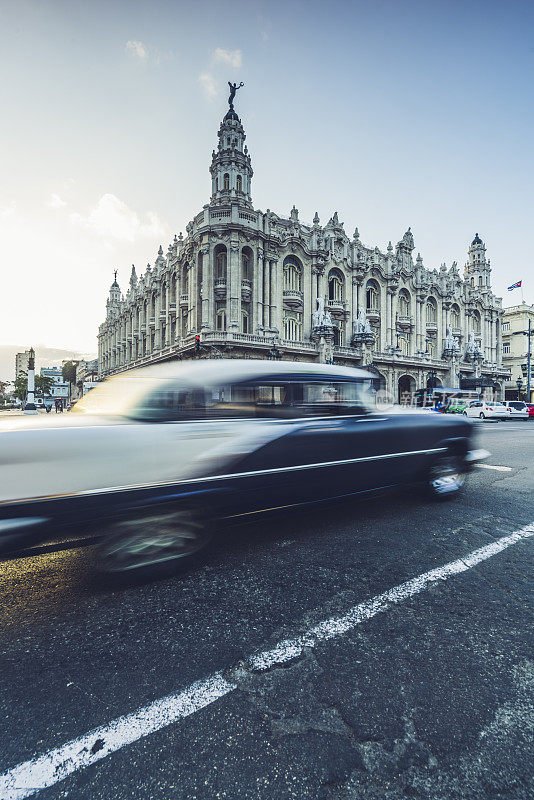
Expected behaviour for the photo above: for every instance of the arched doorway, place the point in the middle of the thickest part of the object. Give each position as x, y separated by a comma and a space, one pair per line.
406, 389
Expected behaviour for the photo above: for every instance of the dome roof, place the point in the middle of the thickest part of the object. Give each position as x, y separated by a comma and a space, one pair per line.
231, 115
477, 239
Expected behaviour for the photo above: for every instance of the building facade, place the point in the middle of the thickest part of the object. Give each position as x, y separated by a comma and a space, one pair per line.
60, 387
244, 283
515, 343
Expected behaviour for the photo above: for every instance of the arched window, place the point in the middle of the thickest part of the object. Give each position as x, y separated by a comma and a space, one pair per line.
372, 296
404, 344
293, 326
338, 336
220, 262
480, 280
431, 310
246, 263
185, 279
221, 319
472, 281
455, 316
476, 322
239, 183
336, 283
430, 349
292, 275
245, 322
226, 182
404, 303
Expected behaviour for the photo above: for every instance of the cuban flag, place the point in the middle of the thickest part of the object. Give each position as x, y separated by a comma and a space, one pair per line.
514, 286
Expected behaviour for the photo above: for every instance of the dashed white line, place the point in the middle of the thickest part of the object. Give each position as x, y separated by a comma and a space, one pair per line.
32, 776
493, 466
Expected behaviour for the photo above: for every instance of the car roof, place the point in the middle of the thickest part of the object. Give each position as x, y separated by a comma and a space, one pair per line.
206, 371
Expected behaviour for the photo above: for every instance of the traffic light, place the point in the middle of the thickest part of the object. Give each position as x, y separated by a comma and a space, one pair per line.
197, 343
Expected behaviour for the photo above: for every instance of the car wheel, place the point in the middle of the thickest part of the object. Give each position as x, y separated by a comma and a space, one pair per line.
151, 544
482, 415
446, 477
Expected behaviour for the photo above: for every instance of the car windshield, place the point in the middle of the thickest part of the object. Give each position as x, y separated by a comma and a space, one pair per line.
119, 396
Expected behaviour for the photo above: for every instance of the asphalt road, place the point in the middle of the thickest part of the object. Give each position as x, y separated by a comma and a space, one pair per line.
429, 698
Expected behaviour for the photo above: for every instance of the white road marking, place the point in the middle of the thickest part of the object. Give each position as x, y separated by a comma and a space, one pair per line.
493, 466
32, 776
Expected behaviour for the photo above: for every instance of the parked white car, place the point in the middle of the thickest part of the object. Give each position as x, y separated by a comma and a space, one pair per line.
482, 410
517, 409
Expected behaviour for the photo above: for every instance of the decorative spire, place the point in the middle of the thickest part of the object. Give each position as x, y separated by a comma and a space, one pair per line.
231, 169
356, 234
316, 220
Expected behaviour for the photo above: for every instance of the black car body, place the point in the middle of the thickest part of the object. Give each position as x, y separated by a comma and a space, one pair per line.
160, 454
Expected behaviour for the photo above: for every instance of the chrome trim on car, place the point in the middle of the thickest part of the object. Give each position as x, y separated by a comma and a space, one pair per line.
8, 526
228, 476
476, 455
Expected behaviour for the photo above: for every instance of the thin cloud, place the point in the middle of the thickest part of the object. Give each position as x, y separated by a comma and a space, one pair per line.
137, 49
207, 79
55, 201
232, 57
111, 218
208, 83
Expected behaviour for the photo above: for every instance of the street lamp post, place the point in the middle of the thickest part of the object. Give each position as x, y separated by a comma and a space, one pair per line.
519, 383
29, 406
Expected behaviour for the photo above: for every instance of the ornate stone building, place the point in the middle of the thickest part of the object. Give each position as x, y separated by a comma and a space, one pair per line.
244, 283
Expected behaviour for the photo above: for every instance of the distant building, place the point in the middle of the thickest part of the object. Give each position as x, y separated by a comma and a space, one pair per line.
86, 378
60, 388
245, 283
21, 363
515, 349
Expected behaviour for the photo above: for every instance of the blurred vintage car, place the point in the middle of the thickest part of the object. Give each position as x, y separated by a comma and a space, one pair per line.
153, 458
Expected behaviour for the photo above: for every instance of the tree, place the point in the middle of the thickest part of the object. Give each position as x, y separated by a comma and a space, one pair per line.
68, 370
21, 386
43, 384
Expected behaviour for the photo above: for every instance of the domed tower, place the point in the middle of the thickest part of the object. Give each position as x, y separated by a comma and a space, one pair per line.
477, 269
231, 170
114, 300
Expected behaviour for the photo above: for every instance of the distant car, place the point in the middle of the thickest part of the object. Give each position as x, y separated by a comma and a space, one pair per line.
155, 457
457, 406
479, 409
517, 409
530, 409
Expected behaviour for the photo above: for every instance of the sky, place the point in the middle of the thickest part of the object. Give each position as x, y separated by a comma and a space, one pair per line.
394, 113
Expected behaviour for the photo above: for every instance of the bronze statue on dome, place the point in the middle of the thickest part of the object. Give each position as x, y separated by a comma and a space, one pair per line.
233, 89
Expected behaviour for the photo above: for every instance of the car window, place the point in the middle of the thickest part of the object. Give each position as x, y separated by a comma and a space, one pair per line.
249, 399
324, 397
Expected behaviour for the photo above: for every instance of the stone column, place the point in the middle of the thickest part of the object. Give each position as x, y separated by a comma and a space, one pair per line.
207, 289
394, 318
258, 287
233, 289
157, 327
275, 300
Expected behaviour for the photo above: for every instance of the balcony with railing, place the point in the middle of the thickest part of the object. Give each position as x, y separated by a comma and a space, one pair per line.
373, 314
431, 326
152, 322
336, 305
293, 298
404, 320
220, 288
184, 299
172, 308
